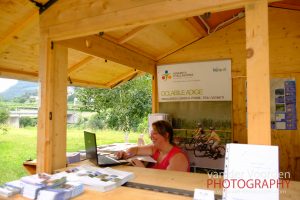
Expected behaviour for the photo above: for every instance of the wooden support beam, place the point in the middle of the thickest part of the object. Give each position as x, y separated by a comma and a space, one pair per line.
195, 22
121, 82
84, 83
258, 78
78, 65
75, 18
97, 46
52, 122
125, 76
155, 103
12, 73
131, 34
8, 37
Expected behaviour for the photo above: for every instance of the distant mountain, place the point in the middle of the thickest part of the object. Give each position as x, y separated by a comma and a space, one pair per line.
26, 88
20, 89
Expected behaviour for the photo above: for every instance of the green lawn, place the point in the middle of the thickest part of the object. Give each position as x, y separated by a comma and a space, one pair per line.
19, 145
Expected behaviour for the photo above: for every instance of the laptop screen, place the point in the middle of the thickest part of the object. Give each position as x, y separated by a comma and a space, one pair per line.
90, 146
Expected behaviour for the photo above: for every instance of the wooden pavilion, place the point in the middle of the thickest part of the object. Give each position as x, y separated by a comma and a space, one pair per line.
102, 43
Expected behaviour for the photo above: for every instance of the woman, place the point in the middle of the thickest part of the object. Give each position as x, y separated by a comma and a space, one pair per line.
167, 155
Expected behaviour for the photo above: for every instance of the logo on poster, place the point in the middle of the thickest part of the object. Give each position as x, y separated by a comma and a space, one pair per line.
166, 76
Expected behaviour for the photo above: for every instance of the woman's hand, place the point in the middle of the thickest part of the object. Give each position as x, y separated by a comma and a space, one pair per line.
127, 154
120, 154
137, 163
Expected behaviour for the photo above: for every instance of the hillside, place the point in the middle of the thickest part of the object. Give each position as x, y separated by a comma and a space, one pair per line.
20, 89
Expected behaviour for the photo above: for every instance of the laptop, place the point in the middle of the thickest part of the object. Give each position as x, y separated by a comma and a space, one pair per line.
91, 152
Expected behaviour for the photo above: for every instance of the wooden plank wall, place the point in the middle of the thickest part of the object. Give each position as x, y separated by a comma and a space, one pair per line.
284, 30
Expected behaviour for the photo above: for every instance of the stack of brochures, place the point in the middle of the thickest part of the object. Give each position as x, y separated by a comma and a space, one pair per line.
65, 191
100, 179
10, 188
34, 183
15, 184
7, 191
43, 187
66, 184
73, 157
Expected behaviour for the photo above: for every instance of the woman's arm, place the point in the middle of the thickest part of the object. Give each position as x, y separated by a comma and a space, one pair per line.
178, 162
146, 150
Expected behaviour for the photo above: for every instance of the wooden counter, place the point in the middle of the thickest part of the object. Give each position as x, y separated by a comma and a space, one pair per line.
171, 179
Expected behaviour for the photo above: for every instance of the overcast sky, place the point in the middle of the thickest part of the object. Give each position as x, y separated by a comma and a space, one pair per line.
6, 83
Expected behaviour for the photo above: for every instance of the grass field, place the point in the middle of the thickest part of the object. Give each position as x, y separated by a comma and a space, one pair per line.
19, 145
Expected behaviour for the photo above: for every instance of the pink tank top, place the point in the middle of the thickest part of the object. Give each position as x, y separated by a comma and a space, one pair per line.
165, 162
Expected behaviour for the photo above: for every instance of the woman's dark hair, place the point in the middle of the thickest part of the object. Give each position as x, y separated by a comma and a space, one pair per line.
164, 127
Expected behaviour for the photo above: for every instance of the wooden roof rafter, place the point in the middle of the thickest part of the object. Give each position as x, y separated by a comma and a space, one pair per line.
87, 83
131, 34
121, 82
80, 64
121, 78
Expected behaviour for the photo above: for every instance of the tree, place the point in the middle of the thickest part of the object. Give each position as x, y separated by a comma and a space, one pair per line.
28, 121
123, 107
4, 114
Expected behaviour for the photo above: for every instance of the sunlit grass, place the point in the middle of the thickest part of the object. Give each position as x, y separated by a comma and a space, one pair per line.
19, 145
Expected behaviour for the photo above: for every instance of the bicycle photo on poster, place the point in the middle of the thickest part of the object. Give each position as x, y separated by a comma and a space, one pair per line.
205, 146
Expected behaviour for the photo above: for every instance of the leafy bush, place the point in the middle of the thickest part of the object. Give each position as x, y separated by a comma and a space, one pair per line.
27, 121
4, 115
96, 122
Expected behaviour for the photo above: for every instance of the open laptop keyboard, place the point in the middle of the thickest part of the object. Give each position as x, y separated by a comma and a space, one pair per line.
106, 160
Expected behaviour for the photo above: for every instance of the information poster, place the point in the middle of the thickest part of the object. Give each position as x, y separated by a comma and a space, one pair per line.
195, 81
283, 104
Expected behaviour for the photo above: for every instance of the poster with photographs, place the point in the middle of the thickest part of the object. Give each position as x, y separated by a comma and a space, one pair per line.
201, 129
283, 104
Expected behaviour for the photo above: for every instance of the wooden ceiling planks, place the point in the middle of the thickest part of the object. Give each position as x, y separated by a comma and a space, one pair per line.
13, 12
160, 38
128, 46
19, 26
95, 69
80, 64
19, 39
28, 21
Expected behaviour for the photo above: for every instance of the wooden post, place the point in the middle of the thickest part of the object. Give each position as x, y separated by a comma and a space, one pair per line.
51, 144
258, 78
155, 106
